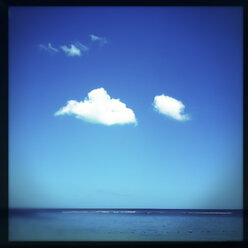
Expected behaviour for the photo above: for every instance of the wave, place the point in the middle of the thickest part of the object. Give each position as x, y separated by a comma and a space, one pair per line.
101, 211
208, 212
146, 212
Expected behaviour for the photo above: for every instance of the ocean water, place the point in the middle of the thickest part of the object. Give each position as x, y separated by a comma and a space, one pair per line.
124, 225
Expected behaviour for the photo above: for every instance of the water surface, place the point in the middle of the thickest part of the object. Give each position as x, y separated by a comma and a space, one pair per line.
124, 225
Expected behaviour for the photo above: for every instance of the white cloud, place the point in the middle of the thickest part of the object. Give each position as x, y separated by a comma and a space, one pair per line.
81, 46
52, 48
100, 108
102, 40
170, 106
49, 48
94, 37
75, 49
71, 51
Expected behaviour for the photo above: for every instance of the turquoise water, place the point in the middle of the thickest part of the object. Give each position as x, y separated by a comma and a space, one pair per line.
131, 225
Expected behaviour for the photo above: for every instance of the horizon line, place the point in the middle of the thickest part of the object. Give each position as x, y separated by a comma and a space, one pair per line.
60, 208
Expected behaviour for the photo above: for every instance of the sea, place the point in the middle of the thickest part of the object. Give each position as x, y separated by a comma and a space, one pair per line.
125, 225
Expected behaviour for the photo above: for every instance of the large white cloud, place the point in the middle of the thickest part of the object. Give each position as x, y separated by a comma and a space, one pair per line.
170, 106
99, 107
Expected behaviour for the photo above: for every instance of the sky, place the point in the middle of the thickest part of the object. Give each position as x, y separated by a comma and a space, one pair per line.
125, 107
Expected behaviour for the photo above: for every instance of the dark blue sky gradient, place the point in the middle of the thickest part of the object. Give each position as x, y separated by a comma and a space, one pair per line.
193, 54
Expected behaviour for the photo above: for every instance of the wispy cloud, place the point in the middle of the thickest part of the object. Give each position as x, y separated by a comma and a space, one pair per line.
101, 40
49, 48
71, 51
100, 108
74, 50
171, 107
80, 46
94, 37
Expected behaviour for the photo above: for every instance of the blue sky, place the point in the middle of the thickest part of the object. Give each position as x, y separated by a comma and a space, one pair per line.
161, 126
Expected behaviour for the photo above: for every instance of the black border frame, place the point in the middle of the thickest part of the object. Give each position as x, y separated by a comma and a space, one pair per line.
4, 4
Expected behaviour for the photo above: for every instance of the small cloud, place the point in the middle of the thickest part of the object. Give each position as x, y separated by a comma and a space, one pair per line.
81, 46
52, 48
100, 108
102, 40
71, 51
170, 106
49, 48
75, 49
94, 37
